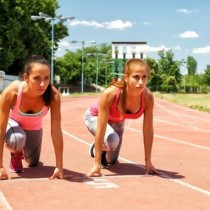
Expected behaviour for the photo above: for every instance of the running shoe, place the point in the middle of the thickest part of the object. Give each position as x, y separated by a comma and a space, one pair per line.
92, 150
103, 156
104, 163
16, 163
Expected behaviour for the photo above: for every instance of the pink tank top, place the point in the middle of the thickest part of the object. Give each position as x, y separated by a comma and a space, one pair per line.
27, 121
114, 114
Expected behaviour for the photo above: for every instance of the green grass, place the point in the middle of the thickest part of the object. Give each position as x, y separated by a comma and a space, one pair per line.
199, 102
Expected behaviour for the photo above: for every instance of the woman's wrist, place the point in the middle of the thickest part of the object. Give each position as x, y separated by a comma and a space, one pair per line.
147, 159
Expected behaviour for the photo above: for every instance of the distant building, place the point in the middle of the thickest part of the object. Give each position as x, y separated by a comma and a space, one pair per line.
122, 51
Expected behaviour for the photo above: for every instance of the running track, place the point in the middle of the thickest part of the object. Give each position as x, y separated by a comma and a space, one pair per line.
181, 151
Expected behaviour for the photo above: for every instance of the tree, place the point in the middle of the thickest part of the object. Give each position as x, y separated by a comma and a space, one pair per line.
20, 36
191, 65
206, 77
70, 65
155, 80
169, 70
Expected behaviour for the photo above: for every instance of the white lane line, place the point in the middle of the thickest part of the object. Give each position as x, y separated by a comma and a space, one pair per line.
4, 203
192, 187
172, 179
78, 139
183, 126
174, 140
191, 117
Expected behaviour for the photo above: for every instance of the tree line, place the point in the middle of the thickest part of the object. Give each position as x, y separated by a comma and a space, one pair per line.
167, 74
20, 36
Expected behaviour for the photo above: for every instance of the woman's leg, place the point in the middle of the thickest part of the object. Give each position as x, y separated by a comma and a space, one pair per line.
15, 141
15, 137
112, 138
32, 147
29, 141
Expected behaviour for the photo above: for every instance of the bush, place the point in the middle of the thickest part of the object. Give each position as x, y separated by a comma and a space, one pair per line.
168, 88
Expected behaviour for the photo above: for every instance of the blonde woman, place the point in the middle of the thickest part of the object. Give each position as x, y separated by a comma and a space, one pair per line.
126, 99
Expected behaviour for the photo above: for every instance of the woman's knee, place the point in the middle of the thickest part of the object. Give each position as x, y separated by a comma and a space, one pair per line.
15, 138
113, 141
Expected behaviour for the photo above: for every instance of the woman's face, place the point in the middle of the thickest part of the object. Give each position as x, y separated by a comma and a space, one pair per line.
38, 78
138, 78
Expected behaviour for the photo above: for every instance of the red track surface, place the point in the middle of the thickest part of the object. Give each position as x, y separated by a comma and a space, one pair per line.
181, 151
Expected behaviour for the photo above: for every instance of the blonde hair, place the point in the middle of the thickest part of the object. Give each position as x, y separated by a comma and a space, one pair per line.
128, 69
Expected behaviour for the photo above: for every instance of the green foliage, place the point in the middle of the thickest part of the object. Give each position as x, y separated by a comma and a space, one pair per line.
191, 65
20, 36
206, 78
169, 67
69, 67
155, 80
165, 73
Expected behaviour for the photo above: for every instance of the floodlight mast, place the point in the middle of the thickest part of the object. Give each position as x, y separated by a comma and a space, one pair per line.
52, 21
82, 73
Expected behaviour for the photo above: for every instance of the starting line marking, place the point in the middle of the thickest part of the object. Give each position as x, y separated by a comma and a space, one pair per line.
101, 183
4, 203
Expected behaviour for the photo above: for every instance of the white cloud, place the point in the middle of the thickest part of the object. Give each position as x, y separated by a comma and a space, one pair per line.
115, 24
184, 11
189, 34
87, 23
147, 48
118, 24
202, 50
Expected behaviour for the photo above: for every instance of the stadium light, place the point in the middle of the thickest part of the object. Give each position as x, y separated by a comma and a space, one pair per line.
82, 73
52, 20
108, 62
97, 62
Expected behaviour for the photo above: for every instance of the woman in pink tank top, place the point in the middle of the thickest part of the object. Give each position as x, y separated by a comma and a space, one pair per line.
23, 104
128, 98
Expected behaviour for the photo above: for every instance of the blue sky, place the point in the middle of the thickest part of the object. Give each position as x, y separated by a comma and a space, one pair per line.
180, 25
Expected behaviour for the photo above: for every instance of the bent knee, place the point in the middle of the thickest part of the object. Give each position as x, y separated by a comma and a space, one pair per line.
113, 141
16, 141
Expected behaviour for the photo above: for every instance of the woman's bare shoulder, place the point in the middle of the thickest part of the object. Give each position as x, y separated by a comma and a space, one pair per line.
9, 94
110, 91
109, 94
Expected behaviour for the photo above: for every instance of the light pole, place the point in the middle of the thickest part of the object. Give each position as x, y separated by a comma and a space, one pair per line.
97, 61
108, 62
52, 20
184, 63
82, 73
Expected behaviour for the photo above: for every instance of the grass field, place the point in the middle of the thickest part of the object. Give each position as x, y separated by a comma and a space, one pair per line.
200, 102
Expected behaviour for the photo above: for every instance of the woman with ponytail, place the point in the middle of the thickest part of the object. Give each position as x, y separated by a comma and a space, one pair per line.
128, 98
23, 104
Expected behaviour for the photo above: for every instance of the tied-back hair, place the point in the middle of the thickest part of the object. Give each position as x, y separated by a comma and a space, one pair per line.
48, 94
127, 71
